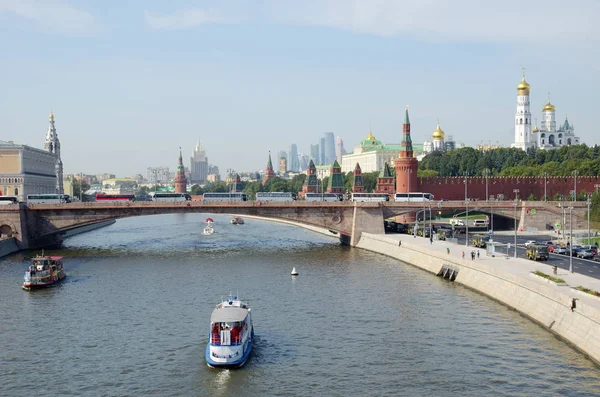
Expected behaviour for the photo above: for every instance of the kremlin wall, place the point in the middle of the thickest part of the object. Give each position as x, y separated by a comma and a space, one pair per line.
453, 188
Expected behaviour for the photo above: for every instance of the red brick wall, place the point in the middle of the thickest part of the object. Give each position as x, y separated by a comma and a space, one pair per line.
453, 188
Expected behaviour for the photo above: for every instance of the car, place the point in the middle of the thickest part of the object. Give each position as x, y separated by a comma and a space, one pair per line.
592, 248
559, 250
551, 248
457, 222
530, 242
596, 258
585, 254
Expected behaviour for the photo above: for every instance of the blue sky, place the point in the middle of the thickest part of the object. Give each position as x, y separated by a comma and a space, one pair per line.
132, 81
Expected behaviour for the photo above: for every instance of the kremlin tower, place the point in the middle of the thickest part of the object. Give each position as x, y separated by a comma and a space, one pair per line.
269, 172
358, 186
52, 145
180, 179
311, 183
406, 165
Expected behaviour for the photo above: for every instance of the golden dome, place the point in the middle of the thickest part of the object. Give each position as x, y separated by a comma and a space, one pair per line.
438, 133
370, 137
523, 87
536, 129
51, 116
549, 107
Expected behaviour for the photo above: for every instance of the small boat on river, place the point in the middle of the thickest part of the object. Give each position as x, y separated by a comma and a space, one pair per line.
236, 220
208, 229
231, 334
210, 220
43, 272
294, 272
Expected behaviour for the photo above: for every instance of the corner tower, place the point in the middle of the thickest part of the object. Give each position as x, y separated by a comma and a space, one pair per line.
269, 172
406, 165
180, 179
52, 145
311, 183
523, 116
358, 185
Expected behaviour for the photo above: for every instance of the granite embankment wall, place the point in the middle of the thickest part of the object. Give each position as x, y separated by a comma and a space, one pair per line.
8, 246
546, 304
88, 228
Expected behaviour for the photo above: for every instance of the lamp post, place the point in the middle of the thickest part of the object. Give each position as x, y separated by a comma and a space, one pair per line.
487, 173
516, 192
571, 240
596, 186
491, 223
545, 186
467, 210
81, 187
589, 203
575, 189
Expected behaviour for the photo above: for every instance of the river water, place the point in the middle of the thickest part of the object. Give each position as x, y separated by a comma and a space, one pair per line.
132, 319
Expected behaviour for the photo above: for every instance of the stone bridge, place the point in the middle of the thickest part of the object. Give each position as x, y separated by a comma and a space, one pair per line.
39, 225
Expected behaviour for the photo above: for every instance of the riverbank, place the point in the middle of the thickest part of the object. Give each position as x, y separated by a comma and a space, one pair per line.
508, 281
8, 246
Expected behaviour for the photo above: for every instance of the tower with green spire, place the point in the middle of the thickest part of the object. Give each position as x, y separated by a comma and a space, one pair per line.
358, 185
336, 179
385, 181
406, 164
311, 183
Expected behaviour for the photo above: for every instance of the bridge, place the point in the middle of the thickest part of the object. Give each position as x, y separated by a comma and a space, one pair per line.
42, 225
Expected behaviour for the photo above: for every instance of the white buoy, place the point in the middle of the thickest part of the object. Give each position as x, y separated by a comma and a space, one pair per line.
294, 272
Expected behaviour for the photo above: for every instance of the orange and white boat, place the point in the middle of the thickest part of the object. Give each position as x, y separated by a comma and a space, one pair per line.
44, 271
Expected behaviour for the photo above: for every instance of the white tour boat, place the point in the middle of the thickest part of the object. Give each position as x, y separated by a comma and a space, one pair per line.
231, 334
44, 271
236, 220
208, 229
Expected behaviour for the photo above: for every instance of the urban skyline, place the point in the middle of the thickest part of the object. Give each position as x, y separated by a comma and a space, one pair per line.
268, 75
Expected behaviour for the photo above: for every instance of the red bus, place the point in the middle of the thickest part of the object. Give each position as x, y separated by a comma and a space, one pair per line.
114, 197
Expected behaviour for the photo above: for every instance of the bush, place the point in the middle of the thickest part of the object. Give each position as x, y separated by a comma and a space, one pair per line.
549, 277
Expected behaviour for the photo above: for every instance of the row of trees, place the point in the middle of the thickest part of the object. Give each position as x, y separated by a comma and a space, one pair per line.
513, 162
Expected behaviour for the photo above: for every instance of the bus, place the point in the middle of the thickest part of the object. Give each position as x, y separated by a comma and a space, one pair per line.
170, 197
275, 196
232, 196
48, 198
114, 197
324, 197
370, 197
413, 197
5, 200
480, 222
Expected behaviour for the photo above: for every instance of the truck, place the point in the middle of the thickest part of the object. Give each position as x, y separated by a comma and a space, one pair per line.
537, 252
480, 241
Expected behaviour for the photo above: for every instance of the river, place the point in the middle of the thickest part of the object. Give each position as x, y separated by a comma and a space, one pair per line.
132, 319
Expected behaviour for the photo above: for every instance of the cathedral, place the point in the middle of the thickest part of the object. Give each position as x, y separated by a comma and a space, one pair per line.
549, 136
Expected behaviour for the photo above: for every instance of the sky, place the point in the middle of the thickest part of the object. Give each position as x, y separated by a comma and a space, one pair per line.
132, 81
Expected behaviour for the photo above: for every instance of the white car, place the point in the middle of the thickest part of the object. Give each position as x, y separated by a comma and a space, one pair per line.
530, 242
457, 222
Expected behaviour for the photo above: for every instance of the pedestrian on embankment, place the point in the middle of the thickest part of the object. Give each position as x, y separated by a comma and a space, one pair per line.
477, 254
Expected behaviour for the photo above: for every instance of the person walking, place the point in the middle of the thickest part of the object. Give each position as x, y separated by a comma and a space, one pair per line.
477, 254
447, 251
463, 255
472, 255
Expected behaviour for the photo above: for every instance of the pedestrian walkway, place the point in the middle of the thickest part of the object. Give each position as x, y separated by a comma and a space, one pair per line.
515, 266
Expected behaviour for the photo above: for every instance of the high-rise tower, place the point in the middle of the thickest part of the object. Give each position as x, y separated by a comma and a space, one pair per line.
406, 164
198, 165
52, 145
180, 179
523, 116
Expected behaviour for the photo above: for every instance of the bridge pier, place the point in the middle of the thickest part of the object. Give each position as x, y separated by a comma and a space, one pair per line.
367, 220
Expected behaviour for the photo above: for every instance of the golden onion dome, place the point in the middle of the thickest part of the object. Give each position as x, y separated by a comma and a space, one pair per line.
370, 137
536, 129
51, 116
549, 107
523, 87
438, 133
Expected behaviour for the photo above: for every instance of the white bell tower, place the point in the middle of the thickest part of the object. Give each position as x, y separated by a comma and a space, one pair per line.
52, 145
523, 117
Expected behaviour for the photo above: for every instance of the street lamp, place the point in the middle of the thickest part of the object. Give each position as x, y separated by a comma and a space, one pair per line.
589, 203
571, 240
575, 190
545, 186
573, 198
596, 186
487, 172
516, 192
467, 210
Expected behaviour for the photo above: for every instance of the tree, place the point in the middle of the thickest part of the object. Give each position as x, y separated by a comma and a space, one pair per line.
531, 197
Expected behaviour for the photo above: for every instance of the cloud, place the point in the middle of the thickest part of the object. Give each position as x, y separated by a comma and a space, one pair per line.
532, 21
55, 15
182, 19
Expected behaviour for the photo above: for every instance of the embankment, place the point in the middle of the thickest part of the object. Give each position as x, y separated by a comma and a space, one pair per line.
506, 282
